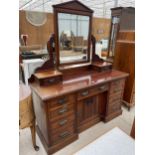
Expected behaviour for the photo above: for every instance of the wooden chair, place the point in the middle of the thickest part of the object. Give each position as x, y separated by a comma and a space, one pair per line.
132, 133
26, 112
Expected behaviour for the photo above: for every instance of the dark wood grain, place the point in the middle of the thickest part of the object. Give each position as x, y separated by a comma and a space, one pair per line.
128, 35
125, 61
41, 117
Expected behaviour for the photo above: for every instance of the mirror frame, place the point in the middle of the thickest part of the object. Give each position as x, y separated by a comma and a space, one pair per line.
77, 8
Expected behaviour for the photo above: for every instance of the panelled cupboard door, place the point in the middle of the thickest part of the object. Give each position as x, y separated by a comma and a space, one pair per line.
87, 108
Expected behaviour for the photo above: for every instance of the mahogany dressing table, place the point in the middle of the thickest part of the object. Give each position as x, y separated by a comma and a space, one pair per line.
74, 89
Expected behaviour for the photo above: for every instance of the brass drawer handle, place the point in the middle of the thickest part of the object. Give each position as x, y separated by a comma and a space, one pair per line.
64, 134
62, 101
62, 110
102, 88
63, 122
85, 93
51, 80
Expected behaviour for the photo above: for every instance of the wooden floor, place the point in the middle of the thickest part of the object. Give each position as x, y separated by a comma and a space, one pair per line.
124, 122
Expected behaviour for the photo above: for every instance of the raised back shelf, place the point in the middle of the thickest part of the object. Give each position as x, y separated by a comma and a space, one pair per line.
101, 66
48, 77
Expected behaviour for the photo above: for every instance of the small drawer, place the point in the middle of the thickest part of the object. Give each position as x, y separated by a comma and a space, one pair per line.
101, 88
84, 93
117, 94
61, 101
62, 134
61, 111
49, 81
92, 91
48, 77
116, 90
115, 98
113, 107
119, 84
117, 101
63, 122
60, 117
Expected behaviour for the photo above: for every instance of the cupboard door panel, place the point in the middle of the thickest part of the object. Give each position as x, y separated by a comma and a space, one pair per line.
90, 106
87, 108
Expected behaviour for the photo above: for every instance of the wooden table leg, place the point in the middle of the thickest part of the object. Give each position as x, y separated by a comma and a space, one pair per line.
33, 134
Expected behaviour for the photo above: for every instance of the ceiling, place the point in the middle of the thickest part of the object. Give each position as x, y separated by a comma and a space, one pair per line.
101, 7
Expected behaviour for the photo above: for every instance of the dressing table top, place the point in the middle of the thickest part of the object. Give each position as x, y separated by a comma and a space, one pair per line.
78, 82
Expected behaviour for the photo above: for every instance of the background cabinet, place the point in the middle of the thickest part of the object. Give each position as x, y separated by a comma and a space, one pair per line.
121, 19
124, 60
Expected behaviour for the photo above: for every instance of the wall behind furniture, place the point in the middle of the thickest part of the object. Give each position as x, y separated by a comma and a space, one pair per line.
41, 34
36, 34
101, 28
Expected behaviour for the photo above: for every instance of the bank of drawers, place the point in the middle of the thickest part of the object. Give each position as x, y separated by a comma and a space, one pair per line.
115, 96
61, 118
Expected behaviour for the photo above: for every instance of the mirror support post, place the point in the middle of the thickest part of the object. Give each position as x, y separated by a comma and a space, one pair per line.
94, 56
51, 63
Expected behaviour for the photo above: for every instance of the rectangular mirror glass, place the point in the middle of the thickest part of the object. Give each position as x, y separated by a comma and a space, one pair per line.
73, 38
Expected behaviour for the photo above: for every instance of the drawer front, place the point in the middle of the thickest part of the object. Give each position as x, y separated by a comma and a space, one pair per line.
113, 107
61, 101
49, 81
62, 134
101, 88
116, 91
61, 111
63, 122
117, 86
115, 98
87, 109
92, 91
61, 117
